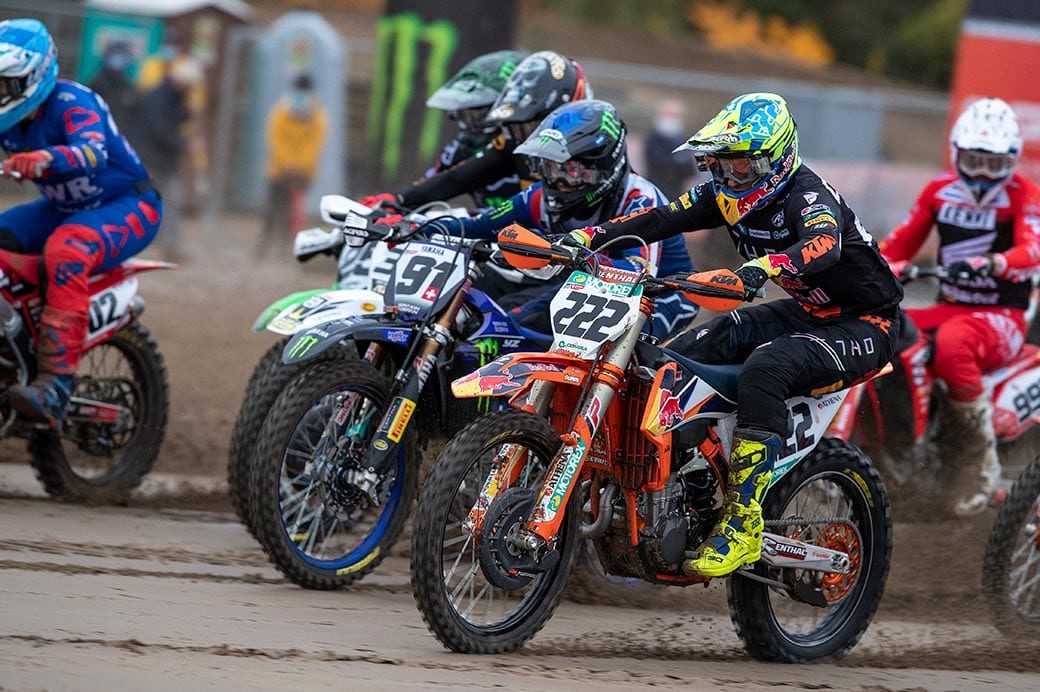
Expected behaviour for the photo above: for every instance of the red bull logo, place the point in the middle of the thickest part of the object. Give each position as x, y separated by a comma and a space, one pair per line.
781, 263
670, 412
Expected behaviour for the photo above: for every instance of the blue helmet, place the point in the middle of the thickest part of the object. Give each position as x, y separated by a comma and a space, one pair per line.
28, 69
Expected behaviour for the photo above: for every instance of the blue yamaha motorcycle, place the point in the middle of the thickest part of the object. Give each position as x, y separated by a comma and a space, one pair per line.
335, 468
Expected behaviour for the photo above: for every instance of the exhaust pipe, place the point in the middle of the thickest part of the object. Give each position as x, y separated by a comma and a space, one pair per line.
606, 513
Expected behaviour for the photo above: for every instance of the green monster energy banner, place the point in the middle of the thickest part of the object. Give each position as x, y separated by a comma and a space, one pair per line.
420, 44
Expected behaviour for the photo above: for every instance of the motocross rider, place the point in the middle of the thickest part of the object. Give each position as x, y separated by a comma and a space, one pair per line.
580, 153
99, 207
988, 218
794, 228
467, 97
540, 83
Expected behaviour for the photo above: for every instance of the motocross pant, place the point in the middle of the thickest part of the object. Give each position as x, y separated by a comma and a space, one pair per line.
786, 353
74, 246
970, 341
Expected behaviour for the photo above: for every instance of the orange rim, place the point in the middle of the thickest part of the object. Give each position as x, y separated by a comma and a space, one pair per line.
843, 538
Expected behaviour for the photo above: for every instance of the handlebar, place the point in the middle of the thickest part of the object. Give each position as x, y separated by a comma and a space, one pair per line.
914, 272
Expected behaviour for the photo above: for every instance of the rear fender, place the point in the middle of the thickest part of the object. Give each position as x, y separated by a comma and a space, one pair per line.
513, 373
323, 307
311, 342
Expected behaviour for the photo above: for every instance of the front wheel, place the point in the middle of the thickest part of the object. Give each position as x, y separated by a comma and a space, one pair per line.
834, 499
465, 610
1011, 569
95, 462
321, 519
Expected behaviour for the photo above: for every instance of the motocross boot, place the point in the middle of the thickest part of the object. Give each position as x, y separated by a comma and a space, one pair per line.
977, 474
57, 355
737, 538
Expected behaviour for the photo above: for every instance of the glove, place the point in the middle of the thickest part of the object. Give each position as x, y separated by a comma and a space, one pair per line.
754, 277
582, 238
30, 164
898, 267
974, 267
379, 199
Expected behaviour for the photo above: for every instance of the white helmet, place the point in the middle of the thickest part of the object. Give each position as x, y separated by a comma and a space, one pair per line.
985, 144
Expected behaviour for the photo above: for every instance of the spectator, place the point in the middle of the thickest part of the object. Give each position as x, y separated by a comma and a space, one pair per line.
112, 84
296, 130
156, 130
671, 172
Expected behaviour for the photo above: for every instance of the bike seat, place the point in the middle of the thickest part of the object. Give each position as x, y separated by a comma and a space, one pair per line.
23, 267
723, 378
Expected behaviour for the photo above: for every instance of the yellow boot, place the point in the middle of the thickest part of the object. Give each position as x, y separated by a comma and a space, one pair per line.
737, 539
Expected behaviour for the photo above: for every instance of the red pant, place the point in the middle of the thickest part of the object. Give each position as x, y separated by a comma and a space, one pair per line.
969, 341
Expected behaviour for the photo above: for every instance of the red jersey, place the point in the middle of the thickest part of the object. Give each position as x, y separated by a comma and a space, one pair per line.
1006, 222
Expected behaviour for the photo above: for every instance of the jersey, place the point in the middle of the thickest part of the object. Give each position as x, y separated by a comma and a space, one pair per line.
483, 171
93, 163
1007, 223
464, 146
663, 258
825, 259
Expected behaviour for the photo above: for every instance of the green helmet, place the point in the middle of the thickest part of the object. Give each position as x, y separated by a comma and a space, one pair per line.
751, 149
478, 83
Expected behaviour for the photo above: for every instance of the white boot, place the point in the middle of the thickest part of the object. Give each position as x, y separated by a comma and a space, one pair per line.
978, 470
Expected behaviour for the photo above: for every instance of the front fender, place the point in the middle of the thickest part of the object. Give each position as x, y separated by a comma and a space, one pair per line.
325, 306
278, 306
311, 342
509, 374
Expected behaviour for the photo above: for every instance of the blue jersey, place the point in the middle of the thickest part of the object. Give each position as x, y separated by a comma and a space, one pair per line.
664, 258
93, 163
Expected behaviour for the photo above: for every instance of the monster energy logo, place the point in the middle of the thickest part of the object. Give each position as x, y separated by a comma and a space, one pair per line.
301, 347
609, 123
501, 210
397, 54
488, 350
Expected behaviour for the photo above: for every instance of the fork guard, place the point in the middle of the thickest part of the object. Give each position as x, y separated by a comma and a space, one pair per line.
513, 374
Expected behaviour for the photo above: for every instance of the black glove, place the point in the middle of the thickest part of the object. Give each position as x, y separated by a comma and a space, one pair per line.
754, 278
971, 268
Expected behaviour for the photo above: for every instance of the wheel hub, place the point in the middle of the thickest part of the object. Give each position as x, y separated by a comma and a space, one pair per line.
842, 537
501, 550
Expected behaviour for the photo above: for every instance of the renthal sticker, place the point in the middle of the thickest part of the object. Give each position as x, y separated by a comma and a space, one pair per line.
400, 422
819, 218
775, 547
563, 474
817, 247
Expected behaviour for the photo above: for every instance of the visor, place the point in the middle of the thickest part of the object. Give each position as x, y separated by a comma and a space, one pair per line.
570, 173
737, 169
984, 163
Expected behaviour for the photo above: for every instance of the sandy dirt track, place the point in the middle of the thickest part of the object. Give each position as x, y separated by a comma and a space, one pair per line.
115, 598
157, 596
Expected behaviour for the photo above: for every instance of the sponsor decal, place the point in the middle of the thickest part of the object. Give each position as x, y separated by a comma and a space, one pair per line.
431, 293
780, 262
592, 413
725, 138
724, 280
778, 218
817, 247
756, 233
303, 346
967, 217
401, 418
381, 445
817, 219
550, 134
360, 564
795, 552
810, 197
397, 336
813, 208
560, 481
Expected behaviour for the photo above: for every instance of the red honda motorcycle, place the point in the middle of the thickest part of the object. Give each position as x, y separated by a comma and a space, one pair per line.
894, 418
116, 419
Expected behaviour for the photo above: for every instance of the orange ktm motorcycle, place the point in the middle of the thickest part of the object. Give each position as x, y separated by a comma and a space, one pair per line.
617, 441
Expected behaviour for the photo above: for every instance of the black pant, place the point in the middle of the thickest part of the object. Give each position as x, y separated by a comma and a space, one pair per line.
786, 353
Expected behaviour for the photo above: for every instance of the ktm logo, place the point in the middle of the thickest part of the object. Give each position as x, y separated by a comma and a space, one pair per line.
724, 280
817, 247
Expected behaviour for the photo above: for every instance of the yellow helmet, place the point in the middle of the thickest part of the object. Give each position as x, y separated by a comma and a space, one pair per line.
751, 150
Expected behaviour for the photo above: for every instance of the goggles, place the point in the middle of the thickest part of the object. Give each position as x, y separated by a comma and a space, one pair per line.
12, 88
984, 163
571, 173
471, 119
741, 170
521, 131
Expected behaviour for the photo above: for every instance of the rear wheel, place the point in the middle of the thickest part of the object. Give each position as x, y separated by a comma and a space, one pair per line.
92, 462
469, 588
1011, 576
834, 499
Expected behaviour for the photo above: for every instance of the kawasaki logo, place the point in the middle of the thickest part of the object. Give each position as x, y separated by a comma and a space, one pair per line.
301, 347
399, 39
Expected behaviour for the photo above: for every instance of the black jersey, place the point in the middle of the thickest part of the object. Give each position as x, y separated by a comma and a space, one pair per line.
826, 259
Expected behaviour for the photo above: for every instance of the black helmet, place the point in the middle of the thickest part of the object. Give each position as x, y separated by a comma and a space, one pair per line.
542, 82
581, 155
468, 95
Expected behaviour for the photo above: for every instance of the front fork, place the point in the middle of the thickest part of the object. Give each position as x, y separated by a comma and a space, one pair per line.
409, 383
